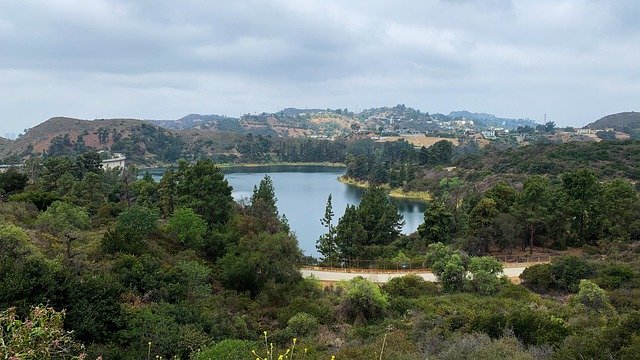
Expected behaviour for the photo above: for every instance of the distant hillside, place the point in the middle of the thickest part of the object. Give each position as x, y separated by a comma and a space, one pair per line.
289, 122
193, 121
141, 141
624, 122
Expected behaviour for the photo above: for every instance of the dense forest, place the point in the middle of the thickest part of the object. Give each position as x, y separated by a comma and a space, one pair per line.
112, 263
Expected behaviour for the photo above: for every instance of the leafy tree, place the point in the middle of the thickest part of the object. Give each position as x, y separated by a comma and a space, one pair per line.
14, 242
188, 227
582, 189
379, 217
438, 224
481, 227
620, 210
503, 195
203, 188
486, 275
303, 324
534, 205
538, 277
137, 222
437, 257
41, 199
259, 259
167, 192
65, 219
453, 274
132, 225
568, 270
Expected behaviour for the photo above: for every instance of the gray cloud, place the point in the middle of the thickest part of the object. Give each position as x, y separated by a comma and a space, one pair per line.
573, 59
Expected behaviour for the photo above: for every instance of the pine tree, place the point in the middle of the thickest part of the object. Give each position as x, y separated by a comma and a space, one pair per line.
326, 244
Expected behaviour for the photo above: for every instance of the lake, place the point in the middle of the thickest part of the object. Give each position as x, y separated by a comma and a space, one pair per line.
302, 193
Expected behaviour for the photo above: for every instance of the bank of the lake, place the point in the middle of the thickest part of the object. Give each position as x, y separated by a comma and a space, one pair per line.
396, 193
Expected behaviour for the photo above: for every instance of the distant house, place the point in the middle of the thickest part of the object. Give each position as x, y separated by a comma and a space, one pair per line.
117, 161
489, 134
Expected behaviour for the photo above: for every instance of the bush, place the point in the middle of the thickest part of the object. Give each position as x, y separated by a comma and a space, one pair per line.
227, 350
410, 286
614, 275
538, 278
36, 338
362, 300
303, 324
568, 270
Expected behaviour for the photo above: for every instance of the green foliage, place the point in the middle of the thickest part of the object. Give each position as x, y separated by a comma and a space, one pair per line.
615, 275
361, 300
265, 194
582, 188
326, 244
64, 218
203, 188
42, 200
485, 275
592, 298
227, 350
410, 286
136, 222
14, 242
538, 277
438, 224
41, 336
534, 205
453, 274
12, 181
259, 259
438, 255
568, 270
188, 227
564, 273
303, 324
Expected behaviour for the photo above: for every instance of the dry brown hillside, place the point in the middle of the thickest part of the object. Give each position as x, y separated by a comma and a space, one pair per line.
98, 134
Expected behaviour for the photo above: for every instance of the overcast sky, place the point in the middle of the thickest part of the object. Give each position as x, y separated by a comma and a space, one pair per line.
574, 60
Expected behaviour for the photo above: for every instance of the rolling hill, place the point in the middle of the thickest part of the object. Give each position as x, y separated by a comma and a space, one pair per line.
624, 122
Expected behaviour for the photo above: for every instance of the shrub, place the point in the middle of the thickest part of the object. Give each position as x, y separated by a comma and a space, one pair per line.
40, 337
303, 324
227, 350
568, 270
538, 277
410, 286
614, 275
362, 300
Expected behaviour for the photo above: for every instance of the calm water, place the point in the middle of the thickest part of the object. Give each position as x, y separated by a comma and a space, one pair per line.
302, 193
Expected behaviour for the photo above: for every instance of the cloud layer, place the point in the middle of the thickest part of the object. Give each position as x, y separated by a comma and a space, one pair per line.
575, 60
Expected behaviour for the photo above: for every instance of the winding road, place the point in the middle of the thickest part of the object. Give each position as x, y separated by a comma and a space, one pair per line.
381, 277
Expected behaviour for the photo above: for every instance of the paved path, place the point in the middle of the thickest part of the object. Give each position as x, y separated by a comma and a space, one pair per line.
381, 278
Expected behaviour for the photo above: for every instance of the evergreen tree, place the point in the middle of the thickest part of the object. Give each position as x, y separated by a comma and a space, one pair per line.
265, 195
326, 244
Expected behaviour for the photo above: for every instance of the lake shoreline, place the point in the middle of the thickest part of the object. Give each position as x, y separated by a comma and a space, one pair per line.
394, 193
